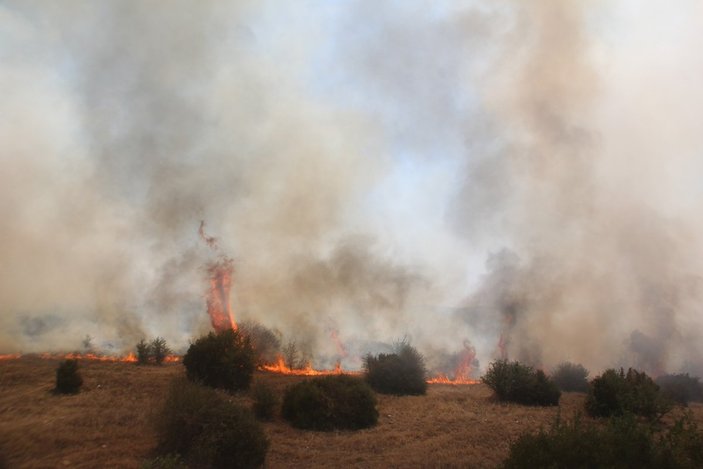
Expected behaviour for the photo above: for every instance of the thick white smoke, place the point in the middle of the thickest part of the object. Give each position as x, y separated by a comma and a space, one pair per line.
442, 170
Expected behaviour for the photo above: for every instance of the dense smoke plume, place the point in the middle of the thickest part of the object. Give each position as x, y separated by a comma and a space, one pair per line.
485, 178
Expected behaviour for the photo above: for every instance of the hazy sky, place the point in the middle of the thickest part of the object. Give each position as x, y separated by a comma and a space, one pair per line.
445, 170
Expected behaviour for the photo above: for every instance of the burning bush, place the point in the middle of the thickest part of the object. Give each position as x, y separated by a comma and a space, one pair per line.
330, 402
265, 401
266, 343
619, 443
617, 393
208, 431
515, 382
68, 379
221, 360
570, 377
681, 388
399, 373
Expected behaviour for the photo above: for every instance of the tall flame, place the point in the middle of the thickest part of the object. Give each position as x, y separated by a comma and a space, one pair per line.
219, 307
218, 302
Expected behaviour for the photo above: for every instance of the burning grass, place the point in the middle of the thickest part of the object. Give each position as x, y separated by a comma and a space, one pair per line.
108, 424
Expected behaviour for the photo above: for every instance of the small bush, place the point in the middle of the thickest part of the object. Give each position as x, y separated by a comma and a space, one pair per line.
330, 402
515, 382
159, 350
154, 352
143, 353
399, 373
570, 377
681, 388
265, 401
622, 442
616, 393
224, 360
208, 431
68, 379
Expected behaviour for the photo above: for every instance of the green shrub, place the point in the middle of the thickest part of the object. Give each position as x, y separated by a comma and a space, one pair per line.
681, 388
154, 352
621, 443
159, 350
617, 393
399, 373
68, 379
143, 352
224, 360
265, 401
208, 431
330, 402
570, 377
515, 382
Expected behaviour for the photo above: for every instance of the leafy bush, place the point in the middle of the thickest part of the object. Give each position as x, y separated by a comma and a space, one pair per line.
159, 350
616, 393
265, 401
399, 373
681, 388
68, 379
266, 342
154, 352
570, 377
224, 360
143, 352
208, 431
622, 442
330, 402
515, 382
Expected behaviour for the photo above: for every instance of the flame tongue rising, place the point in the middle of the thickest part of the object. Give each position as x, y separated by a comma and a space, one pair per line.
218, 304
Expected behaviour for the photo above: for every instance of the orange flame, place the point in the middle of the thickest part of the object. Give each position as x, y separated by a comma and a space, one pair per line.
129, 358
9, 356
281, 367
463, 370
218, 303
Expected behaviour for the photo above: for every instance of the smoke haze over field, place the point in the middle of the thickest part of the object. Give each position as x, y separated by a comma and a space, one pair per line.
481, 171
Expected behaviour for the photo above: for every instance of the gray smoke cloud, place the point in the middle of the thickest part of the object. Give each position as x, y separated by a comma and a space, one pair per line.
595, 272
483, 173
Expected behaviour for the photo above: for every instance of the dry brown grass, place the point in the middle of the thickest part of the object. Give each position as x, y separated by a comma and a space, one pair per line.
108, 425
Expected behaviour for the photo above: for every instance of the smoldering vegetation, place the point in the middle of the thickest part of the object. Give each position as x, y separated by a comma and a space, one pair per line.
493, 174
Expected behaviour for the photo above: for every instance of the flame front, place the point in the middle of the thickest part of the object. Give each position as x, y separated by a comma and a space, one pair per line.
463, 370
281, 367
129, 358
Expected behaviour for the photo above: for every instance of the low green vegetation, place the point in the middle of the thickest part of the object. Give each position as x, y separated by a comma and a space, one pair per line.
516, 382
621, 442
224, 360
401, 373
329, 403
207, 431
615, 393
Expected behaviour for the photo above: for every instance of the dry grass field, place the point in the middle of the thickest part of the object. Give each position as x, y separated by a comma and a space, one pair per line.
108, 425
